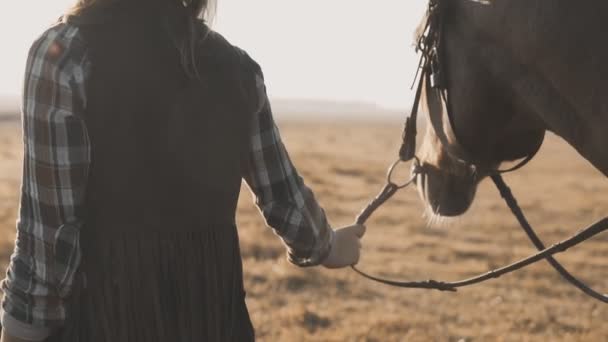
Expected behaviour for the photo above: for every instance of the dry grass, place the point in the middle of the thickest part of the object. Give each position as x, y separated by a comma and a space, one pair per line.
345, 163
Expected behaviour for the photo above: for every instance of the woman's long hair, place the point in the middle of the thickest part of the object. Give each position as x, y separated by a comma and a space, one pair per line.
181, 23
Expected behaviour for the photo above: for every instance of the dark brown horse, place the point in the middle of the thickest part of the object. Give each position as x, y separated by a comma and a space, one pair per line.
514, 69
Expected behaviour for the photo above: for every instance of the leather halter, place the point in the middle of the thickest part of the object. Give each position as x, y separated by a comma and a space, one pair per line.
431, 81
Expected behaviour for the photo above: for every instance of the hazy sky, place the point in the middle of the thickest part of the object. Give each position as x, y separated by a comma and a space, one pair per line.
343, 50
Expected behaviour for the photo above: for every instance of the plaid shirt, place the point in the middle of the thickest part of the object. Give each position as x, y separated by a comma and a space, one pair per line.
57, 156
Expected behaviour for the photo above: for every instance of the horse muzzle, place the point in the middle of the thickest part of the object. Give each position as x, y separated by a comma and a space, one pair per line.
445, 193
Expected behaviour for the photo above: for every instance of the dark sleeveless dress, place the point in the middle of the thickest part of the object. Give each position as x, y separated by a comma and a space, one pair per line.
161, 259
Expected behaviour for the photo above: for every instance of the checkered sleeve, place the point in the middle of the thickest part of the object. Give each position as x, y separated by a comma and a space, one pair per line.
286, 203
56, 160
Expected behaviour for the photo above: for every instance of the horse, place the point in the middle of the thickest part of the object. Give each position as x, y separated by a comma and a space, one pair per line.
512, 70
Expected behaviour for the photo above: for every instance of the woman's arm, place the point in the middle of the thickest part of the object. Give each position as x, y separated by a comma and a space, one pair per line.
56, 160
288, 205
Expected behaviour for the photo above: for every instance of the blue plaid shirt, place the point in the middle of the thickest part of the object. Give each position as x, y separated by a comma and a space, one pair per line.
56, 161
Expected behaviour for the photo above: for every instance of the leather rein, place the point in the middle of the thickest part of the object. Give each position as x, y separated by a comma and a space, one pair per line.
430, 78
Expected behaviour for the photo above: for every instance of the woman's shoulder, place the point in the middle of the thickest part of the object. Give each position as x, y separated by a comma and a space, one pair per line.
220, 51
214, 43
57, 42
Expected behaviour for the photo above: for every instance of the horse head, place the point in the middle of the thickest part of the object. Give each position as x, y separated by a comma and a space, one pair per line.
474, 124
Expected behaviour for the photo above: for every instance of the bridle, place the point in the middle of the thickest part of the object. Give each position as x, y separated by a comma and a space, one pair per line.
430, 79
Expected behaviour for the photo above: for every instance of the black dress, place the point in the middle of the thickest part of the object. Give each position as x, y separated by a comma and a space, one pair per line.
161, 258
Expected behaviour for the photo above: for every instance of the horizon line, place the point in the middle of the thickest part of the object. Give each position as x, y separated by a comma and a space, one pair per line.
11, 102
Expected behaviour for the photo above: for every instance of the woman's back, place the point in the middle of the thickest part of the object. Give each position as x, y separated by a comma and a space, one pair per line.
167, 157
160, 140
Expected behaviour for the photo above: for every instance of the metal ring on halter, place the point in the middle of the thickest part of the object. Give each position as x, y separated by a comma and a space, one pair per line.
391, 171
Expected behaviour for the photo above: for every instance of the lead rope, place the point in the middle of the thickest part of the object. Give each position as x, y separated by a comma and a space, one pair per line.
407, 153
544, 253
506, 193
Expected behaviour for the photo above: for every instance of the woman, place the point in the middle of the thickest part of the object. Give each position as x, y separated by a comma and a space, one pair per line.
139, 125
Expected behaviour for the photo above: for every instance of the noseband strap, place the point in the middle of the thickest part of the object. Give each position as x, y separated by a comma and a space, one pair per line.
431, 82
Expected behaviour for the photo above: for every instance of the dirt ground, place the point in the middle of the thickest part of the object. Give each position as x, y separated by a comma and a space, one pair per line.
344, 163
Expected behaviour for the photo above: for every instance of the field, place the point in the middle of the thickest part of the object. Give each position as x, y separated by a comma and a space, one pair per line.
344, 163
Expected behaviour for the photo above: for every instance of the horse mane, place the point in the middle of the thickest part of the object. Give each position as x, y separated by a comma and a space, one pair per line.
420, 28
419, 31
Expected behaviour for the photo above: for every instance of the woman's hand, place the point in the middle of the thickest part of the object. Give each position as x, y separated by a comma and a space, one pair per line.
345, 247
